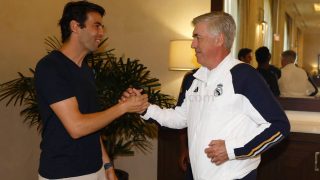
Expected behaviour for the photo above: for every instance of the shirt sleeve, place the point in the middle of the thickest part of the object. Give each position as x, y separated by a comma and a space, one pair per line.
171, 118
52, 82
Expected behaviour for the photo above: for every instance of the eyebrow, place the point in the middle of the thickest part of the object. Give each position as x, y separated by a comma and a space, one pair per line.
99, 23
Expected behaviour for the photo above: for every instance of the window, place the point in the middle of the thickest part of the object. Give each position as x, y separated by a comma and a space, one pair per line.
287, 32
267, 41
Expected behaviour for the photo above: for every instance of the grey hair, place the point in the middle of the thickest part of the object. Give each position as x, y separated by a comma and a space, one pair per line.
219, 22
289, 55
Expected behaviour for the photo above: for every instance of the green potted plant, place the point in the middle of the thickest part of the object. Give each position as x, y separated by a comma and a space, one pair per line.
113, 76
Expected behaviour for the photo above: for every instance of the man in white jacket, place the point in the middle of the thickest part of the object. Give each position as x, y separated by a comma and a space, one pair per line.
231, 114
294, 81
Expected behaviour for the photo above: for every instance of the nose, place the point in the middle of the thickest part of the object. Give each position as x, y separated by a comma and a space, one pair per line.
101, 31
193, 44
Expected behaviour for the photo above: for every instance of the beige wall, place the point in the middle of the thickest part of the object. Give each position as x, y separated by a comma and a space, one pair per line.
24, 25
137, 29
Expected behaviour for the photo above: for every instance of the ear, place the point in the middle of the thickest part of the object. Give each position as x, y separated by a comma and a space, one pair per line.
74, 26
220, 40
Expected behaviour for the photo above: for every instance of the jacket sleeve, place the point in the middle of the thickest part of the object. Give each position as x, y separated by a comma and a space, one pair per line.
251, 85
171, 118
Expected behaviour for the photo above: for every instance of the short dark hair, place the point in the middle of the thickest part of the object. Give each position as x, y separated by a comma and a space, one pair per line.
262, 55
289, 54
76, 11
243, 52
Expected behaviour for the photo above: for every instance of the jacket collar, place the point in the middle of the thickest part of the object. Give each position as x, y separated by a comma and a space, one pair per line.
207, 76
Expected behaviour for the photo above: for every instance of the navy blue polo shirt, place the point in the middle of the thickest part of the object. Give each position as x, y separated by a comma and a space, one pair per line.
58, 78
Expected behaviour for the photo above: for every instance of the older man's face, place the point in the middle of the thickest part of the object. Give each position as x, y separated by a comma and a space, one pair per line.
205, 45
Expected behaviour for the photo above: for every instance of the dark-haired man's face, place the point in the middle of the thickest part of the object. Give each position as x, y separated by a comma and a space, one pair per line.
91, 35
247, 58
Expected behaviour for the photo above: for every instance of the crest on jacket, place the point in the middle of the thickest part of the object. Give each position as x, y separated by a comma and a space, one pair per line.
218, 91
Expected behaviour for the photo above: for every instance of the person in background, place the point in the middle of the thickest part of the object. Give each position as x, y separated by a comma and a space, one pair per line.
231, 114
275, 71
245, 55
71, 147
184, 161
294, 80
263, 57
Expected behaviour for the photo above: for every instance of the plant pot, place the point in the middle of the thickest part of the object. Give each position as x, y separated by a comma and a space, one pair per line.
122, 175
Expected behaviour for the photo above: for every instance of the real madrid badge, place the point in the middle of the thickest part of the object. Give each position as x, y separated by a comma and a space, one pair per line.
218, 91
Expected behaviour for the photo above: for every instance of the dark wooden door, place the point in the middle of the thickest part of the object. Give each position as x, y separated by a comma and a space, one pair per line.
295, 159
168, 154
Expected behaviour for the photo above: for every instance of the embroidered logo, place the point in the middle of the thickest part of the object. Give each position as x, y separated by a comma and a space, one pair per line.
218, 91
196, 89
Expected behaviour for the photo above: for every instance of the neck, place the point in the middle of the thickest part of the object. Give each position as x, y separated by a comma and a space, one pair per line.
263, 66
289, 62
74, 52
219, 57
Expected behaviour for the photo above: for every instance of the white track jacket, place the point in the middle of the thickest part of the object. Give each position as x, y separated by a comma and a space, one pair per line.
233, 103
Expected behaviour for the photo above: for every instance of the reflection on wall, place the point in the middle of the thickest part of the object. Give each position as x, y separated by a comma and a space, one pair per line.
311, 52
284, 21
303, 33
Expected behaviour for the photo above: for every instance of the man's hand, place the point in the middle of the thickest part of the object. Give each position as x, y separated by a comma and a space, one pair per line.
138, 103
184, 160
184, 151
130, 92
110, 174
217, 152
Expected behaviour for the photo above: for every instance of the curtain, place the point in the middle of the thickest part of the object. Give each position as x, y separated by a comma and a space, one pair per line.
243, 25
268, 18
231, 7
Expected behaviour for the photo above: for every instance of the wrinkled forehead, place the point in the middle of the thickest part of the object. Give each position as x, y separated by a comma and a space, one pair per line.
202, 28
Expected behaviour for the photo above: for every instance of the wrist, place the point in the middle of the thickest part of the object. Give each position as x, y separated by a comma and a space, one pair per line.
144, 112
107, 165
122, 107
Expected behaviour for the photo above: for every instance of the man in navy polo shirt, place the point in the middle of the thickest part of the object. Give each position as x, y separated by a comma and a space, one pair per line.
71, 144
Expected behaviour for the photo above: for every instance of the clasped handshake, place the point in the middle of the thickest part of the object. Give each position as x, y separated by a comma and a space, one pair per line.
134, 101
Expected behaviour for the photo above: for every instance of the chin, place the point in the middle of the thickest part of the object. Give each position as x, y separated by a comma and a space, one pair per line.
199, 61
93, 49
